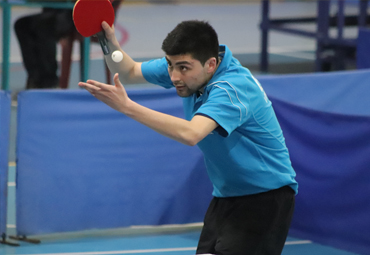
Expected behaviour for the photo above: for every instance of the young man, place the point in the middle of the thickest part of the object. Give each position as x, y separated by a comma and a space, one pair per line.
230, 118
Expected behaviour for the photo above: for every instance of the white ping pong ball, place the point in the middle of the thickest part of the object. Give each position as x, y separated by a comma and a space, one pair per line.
117, 56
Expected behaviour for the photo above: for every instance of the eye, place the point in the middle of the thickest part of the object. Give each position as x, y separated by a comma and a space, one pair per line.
183, 68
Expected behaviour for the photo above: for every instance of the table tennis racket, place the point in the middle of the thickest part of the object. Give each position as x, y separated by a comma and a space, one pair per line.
88, 16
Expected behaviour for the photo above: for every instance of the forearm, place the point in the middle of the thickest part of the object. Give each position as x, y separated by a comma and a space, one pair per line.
178, 129
127, 68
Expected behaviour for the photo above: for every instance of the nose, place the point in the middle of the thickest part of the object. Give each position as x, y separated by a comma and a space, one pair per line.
175, 75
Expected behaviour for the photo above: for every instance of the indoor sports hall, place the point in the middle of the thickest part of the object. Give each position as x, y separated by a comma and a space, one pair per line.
78, 178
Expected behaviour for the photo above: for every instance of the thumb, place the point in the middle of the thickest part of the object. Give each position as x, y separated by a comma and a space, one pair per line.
116, 80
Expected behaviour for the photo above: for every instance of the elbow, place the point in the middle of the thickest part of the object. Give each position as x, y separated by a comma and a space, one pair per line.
191, 143
192, 140
191, 135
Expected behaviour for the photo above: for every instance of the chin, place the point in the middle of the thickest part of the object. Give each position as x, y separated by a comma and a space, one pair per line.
183, 93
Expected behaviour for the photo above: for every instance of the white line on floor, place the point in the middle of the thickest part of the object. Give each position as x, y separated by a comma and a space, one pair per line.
149, 250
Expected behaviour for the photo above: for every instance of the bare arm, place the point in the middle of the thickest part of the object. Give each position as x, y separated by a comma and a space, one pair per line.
128, 69
186, 132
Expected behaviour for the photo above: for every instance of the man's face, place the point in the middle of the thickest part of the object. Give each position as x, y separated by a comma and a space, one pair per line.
187, 74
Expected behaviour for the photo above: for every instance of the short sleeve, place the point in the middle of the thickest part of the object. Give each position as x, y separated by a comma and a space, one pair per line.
226, 106
156, 72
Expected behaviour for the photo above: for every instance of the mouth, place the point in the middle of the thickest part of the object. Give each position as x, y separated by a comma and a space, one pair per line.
179, 87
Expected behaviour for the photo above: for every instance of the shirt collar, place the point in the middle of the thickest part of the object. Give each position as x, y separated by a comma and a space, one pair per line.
225, 56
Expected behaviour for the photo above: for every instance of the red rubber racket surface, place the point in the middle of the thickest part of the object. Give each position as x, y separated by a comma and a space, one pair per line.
89, 14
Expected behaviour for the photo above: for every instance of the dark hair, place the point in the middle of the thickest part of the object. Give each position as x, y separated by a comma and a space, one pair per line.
197, 38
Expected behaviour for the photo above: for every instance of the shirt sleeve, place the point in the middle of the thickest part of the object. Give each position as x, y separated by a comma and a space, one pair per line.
156, 72
226, 106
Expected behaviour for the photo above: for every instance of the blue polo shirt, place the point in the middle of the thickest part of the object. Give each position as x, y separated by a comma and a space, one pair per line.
246, 154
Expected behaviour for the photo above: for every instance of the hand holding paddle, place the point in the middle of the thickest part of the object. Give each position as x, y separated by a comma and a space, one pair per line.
88, 16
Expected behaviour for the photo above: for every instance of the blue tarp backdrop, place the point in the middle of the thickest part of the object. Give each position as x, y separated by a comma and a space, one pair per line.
326, 122
4, 149
82, 165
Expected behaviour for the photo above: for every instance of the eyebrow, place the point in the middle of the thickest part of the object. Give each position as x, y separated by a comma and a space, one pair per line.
179, 63
183, 63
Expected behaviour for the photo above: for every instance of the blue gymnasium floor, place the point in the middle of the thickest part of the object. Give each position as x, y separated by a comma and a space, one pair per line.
287, 54
175, 243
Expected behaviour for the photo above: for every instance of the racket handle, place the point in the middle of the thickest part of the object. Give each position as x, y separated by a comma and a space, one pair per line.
103, 42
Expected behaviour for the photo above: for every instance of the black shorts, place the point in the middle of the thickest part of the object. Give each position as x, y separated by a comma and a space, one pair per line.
248, 225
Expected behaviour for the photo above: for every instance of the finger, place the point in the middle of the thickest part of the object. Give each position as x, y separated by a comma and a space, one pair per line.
109, 31
92, 88
82, 84
92, 92
98, 84
105, 25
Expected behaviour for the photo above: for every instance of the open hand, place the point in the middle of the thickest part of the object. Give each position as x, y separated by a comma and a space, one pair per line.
114, 96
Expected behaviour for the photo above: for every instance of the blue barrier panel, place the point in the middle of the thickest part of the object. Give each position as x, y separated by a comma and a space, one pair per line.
325, 119
363, 48
82, 165
334, 92
4, 152
330, 153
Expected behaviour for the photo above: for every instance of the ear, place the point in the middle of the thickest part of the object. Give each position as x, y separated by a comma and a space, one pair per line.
211, 65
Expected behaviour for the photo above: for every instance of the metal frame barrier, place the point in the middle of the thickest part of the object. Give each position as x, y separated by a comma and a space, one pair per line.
331, 52
6, 6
